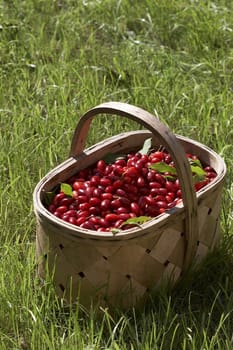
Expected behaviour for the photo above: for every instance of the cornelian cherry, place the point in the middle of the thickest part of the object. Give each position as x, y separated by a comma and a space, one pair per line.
104, 196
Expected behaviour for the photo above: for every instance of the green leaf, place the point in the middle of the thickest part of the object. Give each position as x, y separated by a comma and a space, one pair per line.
163, 168
67, 189
146, 146
137, 220
169, 177
197, 170
112, 157
115, 230
195, 162
198, 178
48, 198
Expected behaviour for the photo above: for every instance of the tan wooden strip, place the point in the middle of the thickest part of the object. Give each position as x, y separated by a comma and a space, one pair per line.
165, 245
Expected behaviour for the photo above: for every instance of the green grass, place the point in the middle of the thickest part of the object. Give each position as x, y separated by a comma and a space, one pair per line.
57, 60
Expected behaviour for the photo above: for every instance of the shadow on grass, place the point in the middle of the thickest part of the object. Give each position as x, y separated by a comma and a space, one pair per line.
199, 308
211, 283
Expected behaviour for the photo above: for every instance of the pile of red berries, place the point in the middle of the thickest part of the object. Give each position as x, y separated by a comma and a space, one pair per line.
130, 190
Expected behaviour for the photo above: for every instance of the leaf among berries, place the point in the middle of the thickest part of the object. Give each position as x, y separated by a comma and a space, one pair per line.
162, 167
112, 157
66, 189
139, 220
146, 146
48, 197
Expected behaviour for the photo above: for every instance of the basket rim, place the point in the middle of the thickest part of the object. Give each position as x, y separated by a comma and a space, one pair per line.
41, 211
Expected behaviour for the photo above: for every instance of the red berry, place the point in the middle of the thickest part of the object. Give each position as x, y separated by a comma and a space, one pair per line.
109, 189
71, 212
57, 198
170, 186
161, 204
105, 181
94, 211
89, 191
116, 203
52, 208
101, 166
82, 199
87, 225
140, 181
57, 214
111, 217
159, 155
95, 180
94, 201
124, 216
120, 192
169, 198
159, 178
78, 185
118, 170
66, 201
103, 223
129, 188
211, 174
120, 162
117, 184
84, 206
108, 169
154, 184
131, 172
105, 204
125, 202
172, 204
159, 197
107, 195
140, 164
102, 229
118, 223
82, 213
95, 220
179, 194
135, 208
72, 220
150, 200
168, 159
151, 175
199, 185
122, 210
61, 209
153, 211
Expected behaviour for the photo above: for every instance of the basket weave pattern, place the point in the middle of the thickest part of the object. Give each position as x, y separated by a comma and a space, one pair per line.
121, 269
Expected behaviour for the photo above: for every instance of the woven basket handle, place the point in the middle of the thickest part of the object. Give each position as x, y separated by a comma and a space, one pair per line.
172, 145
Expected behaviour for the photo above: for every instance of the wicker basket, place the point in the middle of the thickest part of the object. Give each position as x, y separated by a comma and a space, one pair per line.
122, 269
